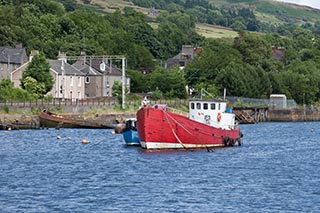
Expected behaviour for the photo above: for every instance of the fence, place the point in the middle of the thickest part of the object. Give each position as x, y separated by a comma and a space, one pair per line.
112, 103
257, 102
83, 105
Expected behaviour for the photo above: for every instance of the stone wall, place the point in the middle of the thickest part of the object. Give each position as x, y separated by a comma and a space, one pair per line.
293, 115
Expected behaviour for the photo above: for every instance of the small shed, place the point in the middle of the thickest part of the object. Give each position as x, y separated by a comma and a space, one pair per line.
278, 101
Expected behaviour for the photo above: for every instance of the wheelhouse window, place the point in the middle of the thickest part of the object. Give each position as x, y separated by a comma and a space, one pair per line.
192, 105
213, 106
198, 105
205, 106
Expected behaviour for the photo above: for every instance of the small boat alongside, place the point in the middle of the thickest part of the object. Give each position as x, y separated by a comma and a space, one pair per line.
52, 120
130, 132
209, 124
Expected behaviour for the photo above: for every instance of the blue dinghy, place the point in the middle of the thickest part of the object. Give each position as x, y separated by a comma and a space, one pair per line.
130, 132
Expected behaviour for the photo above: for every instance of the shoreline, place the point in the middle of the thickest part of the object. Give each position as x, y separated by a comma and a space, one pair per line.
31, 121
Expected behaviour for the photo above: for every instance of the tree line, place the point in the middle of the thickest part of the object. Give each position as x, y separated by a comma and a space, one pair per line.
245, 67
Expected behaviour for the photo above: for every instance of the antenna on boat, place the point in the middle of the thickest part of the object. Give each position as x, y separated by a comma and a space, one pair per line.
204, 92
224, 94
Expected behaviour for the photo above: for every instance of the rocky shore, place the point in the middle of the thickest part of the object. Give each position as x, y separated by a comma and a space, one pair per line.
25, 121
15, 122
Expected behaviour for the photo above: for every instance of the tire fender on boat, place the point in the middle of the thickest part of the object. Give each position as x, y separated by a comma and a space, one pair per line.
227, 141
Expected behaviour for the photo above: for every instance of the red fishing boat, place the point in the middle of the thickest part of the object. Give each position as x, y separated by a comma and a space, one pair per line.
209, 124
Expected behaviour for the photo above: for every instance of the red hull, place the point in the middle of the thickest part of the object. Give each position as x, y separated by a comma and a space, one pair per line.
159, 129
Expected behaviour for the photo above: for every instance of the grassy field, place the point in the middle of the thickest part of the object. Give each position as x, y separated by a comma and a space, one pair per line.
212, 31
111, 6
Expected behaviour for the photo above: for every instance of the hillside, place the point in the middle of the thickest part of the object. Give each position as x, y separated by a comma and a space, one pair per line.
269, 13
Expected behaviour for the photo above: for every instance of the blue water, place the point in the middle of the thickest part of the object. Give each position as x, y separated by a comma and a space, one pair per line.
277, 169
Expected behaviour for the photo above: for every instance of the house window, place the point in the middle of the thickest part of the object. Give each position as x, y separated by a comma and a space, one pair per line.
71, 81
87, 80
79, 82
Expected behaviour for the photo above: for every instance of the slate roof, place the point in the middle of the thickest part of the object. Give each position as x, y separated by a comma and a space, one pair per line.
15, 54
68, 69
93, 67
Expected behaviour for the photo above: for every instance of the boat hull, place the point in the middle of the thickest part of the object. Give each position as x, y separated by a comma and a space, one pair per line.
131, 137
159, 129
51, 120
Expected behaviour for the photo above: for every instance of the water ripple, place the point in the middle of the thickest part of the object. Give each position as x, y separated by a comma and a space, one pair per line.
276, 170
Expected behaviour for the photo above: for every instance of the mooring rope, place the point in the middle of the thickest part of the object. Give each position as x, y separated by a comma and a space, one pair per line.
166, 114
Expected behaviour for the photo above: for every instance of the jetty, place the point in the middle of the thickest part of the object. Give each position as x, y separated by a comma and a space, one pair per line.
249, 115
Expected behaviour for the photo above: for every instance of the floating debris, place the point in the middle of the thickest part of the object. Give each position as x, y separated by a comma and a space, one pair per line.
84, 141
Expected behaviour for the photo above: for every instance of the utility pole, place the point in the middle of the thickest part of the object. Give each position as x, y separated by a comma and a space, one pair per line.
123, 82
8, 71
63, 75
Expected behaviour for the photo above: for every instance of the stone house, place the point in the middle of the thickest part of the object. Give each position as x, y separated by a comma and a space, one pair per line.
69, 82
100, 75
83, 79
187, 54
11, 59
16, 74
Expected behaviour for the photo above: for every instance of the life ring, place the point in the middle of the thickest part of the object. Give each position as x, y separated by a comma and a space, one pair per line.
219, 116
228, 141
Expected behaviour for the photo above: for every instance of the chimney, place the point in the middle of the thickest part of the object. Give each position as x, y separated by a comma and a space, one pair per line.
61, 56
19, 45
33, 53
83, 57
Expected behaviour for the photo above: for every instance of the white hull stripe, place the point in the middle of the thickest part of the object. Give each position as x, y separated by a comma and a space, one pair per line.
164, 145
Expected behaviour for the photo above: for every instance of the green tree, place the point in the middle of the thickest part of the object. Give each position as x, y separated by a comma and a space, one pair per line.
254, 48
171, 83
34, 88
8, 92
39, 69
117, 90
139, 82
